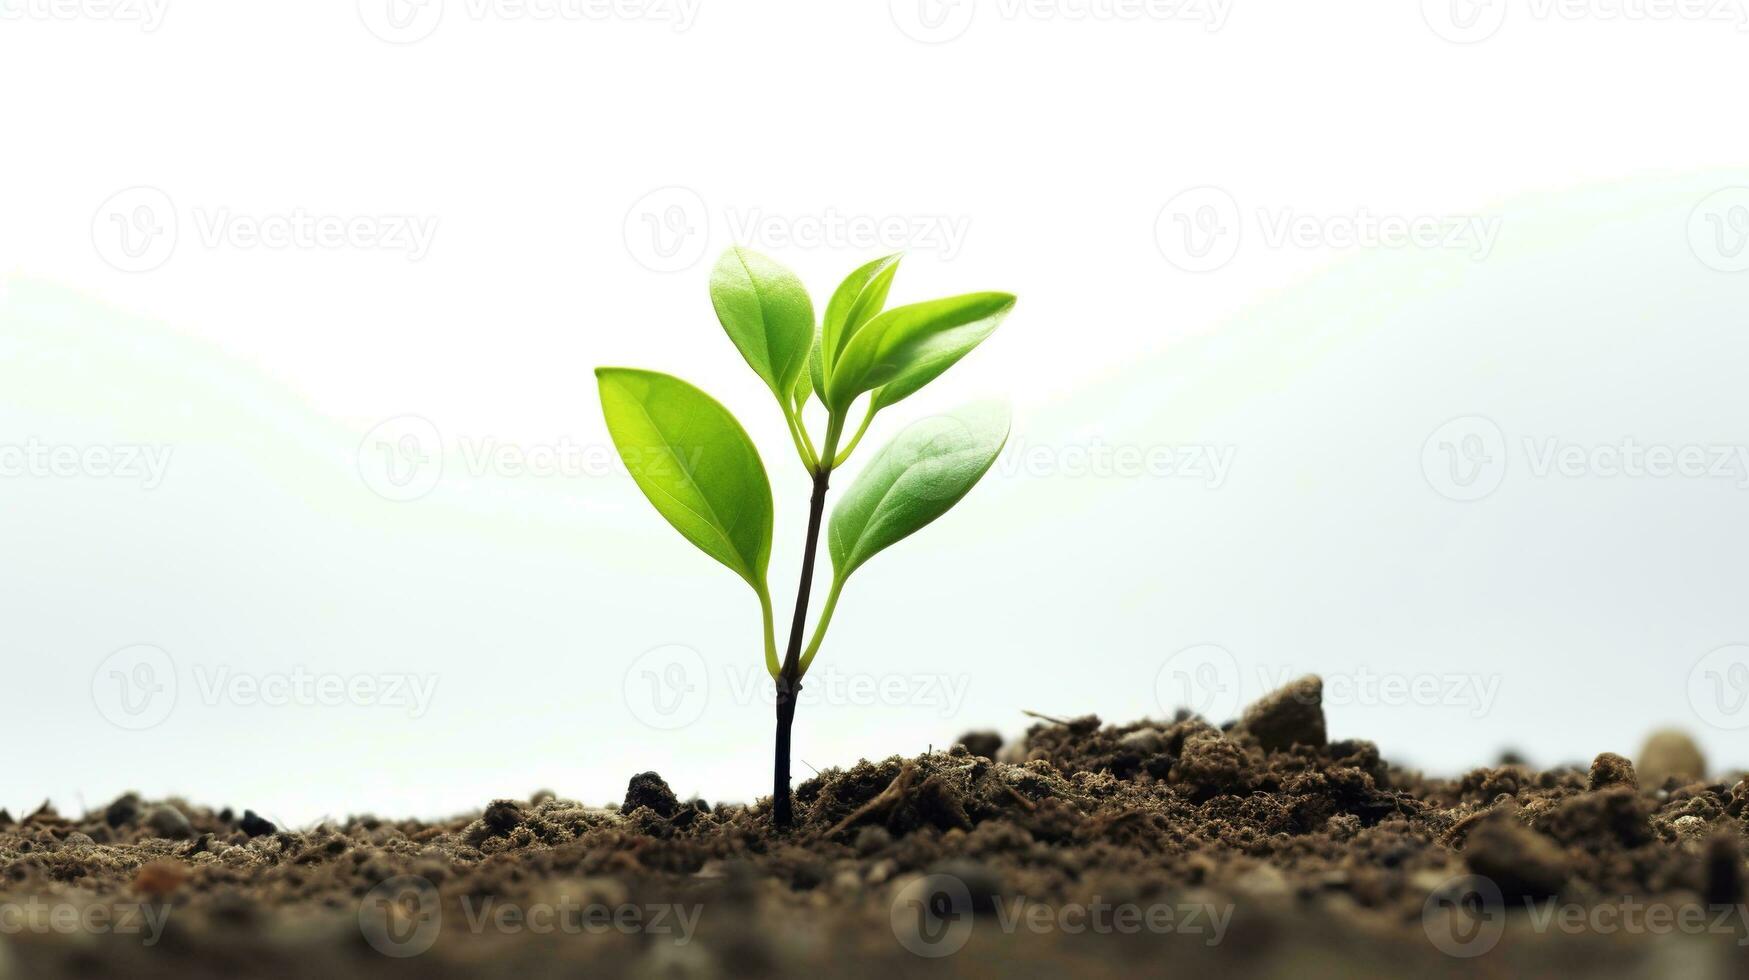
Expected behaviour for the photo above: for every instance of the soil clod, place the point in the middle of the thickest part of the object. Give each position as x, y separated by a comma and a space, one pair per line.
1292, 715
1609, 769
649, 789
255, 826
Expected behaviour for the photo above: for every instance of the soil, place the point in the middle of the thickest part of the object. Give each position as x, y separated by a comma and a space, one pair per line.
1258, 848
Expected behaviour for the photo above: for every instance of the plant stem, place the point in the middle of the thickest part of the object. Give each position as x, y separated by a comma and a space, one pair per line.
799, 434
825, 619
771, 663
789, 677
866, 419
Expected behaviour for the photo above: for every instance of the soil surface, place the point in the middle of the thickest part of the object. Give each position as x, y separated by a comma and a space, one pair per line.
1258, 848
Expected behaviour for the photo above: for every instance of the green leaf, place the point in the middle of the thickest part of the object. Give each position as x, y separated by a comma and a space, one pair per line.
908, 346
916, 478
695, 463
767, 313
806, 381
857, 299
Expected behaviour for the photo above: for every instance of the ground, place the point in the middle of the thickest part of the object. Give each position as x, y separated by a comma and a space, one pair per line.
1258, 848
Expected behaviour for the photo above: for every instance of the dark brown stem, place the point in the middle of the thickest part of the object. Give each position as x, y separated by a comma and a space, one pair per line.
789, 684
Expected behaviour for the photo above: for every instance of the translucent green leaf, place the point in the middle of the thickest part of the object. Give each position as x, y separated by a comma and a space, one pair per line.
908, 346
695, 463
767, 313
914, 479
856, 301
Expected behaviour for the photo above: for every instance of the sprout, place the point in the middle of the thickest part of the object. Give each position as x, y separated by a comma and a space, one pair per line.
698, 467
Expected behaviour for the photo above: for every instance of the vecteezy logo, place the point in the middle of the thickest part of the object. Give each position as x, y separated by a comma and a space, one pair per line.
667, 687
135, 687
1464, 21
932, 21
668, 229
1718, 230
401, 917
1464, 917
135, 229
932, 916
1199, 229
401, 459
401, 21
1718, 687
1465, 459
1203, 678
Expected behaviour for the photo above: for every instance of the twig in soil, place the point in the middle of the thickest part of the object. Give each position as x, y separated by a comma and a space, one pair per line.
1460, 831
1027, 804
885, 800
1044, 717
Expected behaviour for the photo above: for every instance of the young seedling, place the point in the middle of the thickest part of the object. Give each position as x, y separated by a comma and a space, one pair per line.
696, 464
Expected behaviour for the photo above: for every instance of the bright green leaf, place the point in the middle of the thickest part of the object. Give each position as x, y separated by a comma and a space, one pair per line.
857, 299
767, 313
916, 478
805, 381
908, 346
695, 463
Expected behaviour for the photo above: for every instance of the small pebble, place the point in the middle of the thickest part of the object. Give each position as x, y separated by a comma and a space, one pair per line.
1671, 754
167, 821
125, 808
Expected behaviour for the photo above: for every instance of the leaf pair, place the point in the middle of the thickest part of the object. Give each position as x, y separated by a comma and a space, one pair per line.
702, 473
860, 347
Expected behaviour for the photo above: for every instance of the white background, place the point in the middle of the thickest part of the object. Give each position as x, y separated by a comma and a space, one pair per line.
577, 167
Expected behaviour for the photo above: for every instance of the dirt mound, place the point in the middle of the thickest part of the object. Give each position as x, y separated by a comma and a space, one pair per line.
1084, 849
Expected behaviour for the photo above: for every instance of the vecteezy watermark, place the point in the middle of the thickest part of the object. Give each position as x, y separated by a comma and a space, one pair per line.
403, 917
1718, 687
1099, 460
147, 14
1472, 21
36, 459
1466, 459
38, 916
1201, 229
300, 687
1718, 230
669, 229
404, 458
1466, 917
1206, 679
139, 686
932, 916
135, 688
669, 687
411, 21
139, 229
940, 21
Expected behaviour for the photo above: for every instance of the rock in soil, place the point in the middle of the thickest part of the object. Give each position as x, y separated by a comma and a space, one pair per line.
1105, 850
1670, 755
